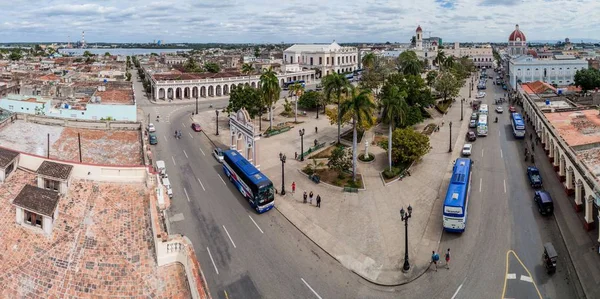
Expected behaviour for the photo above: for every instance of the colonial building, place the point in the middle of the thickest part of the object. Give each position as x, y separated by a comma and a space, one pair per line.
426, 51
560, 70
482, 56
327, 58
517, 43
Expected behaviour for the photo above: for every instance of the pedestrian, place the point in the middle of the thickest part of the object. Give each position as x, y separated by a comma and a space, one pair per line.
531, 136
316, 130
318, 201
434, 259
304, 196
310, 197
295, 155
293, 187
532, 147
532, 161
448, 259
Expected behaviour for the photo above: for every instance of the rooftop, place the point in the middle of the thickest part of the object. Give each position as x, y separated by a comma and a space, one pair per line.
115, 96
576, 127
195, 76
37, 200
101, 246
55, 170
6, 156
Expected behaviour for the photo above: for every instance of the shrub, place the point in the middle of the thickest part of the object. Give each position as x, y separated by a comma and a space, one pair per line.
391, 173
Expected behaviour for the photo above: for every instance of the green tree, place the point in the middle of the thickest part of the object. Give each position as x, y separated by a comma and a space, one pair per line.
256, 52
587, 79
191, 66
128, 76
269, 85
413, 116
368, 61
439, 59
108, 54
339, 160
87, 54
296, 90
212, 67
375, 75
360, 106
245, 97
416, 90
247, 69
447, 85
408, 145
430, 78
409, 63
334, 85
393, 111
310, 99
15, 55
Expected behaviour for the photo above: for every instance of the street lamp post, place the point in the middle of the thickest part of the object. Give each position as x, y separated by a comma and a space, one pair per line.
282, 159
217, 121
404, 216
301, 132
196, 104
470, 88
450, 139
461, 109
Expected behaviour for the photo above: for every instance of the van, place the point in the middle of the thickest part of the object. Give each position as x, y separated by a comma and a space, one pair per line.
161, 168
167, 185
544, 202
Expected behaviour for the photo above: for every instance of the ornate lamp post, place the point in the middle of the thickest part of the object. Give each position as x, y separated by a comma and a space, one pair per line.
196, 104
404, 216
471, 88
282, 159
461, 108
301, 133
217, 121
450, 139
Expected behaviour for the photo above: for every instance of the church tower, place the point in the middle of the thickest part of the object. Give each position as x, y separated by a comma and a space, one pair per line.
419, 38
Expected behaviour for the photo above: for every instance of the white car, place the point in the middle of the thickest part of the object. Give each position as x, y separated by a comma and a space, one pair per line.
480, 95
472, 123
151, 128
499, 109
218, 154
466, 151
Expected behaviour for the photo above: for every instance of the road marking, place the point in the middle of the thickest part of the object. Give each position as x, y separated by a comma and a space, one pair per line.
511, 276
304, 281
165, 138
213, 261
514, 275
201, 184
261, 231
182, 124
501, 155
457, 290
222, 179
191, 135
186, 195
498, 133
185, 154
173, 160
202, 151
480, 183
482, 152
526, 278
230, 239
504, 186
226, 296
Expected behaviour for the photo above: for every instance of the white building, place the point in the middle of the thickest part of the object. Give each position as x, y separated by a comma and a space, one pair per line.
482, 56
560, 70
426, 51
327, 58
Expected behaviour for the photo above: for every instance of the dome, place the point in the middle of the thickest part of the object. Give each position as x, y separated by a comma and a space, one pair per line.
419, 29
517, 35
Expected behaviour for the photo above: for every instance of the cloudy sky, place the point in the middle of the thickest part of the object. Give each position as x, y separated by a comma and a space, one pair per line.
261, 21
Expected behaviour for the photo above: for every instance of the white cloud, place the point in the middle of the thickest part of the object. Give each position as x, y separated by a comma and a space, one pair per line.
295, 20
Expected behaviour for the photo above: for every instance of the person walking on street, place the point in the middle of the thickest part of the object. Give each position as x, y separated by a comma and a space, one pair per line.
316, 130
318, 201
304, 196
293, 187
310, 197
434, 259
448, 259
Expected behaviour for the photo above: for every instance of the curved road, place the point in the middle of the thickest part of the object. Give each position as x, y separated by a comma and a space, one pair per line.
246, 255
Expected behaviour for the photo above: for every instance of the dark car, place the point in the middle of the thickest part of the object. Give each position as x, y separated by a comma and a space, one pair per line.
544, 202
196, 127
474, 116
153, 139
535, 179
471, 136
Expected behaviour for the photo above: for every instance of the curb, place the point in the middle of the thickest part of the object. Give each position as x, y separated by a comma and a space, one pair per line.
332, 186
577, 275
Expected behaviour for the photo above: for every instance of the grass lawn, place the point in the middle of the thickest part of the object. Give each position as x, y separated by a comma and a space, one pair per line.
326, 153
331, 177
399, 171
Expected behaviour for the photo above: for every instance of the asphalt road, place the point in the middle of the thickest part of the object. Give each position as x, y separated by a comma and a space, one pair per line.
246, 255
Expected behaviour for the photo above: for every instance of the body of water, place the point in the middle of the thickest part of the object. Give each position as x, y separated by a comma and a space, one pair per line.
118, 51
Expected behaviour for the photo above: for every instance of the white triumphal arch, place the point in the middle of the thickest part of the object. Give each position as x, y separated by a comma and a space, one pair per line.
243, 138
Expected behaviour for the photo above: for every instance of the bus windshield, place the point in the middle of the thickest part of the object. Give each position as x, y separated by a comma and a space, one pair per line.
265, 195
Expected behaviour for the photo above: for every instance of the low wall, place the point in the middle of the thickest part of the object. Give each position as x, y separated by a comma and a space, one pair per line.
78, 123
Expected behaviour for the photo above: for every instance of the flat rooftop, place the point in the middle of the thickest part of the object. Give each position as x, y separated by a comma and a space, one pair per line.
591, 160
554, 104
576, 127
101, 246
97, 146
115, 96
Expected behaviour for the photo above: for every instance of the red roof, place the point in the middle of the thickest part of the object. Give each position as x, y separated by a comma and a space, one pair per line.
517, 34
419, 28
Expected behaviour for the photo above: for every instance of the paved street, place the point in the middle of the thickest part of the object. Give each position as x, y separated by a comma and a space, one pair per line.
245, 255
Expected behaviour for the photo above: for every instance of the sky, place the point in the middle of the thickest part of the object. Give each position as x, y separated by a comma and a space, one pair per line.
293, 21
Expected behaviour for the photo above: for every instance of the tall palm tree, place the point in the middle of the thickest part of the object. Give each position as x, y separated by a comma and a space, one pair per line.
360, 107
440, 58
335, 84
394, 109
269, 85
247, 69
448, 62
368, 60
296, 90
412, 67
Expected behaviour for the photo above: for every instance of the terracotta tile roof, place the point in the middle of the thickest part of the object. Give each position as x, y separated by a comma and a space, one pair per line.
7, 156
576, 127
55, 170
539, 87
115, 96
37, 200
50, 77
190, 76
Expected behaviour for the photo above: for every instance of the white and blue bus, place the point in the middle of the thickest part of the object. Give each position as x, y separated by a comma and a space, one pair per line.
287, 85
253, 185
483, 109
457, 197
518, 125
482, 125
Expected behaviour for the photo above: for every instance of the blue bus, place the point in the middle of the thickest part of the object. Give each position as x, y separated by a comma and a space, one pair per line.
518, 125
253, 185
457, 197
287, 85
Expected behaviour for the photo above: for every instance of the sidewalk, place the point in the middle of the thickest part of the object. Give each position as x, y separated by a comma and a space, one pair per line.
362, 230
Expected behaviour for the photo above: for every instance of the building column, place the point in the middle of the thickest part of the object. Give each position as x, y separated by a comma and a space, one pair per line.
578, 199
233, 145
589, 205
561, 167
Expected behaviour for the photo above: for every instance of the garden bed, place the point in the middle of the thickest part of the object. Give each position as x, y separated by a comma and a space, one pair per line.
348, 135
443, 106
362, 158
326, 153
345, 180
429, 129
399, 171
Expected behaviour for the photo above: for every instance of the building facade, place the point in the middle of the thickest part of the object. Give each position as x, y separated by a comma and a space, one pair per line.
517, 43
482, 56
328, 58
560, 70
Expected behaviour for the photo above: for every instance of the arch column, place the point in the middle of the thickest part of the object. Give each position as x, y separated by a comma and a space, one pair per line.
578, 195
556, 160
569, 182
561, 168
589, 205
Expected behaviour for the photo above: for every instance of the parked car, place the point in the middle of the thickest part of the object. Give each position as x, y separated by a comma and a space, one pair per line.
471, 136
153, 139
535, 179
499, 109
196, 127
544, 202
474, 116
473, 124
151, 128
480, 95
218, 154
466, 151
512, 109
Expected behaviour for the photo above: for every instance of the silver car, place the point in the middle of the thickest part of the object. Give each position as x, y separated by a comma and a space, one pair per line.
218, 154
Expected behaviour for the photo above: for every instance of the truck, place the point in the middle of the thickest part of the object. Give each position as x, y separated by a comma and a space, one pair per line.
535, 179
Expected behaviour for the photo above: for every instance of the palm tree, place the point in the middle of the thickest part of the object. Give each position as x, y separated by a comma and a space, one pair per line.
412, 67
431, 76
394, 109
297, 90
335, 84
269, 85
247, 69
440, 58
360, 107
448, 62
368, 61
